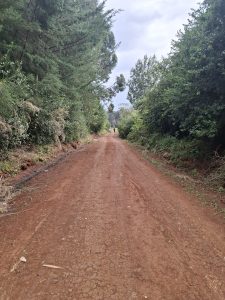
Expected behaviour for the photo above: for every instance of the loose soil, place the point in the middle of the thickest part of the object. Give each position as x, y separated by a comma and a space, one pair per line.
105, 224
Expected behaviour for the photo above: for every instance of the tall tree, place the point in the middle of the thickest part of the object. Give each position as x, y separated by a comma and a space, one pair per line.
65, 51
142, 78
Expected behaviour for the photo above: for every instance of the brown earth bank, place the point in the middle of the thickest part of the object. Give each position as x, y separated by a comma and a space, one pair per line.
115, 227
29, 158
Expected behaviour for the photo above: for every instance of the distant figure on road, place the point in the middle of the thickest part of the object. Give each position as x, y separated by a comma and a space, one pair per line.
114, 129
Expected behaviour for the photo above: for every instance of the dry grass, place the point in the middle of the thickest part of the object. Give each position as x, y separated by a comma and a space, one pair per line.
23, 158
6, 194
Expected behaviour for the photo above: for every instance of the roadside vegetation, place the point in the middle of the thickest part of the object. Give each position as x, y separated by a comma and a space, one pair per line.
55, 58
179, 101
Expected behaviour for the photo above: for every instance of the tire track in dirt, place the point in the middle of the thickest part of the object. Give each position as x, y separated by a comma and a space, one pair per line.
118, 229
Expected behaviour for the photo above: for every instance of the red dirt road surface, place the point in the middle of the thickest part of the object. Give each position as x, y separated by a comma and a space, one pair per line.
116, 229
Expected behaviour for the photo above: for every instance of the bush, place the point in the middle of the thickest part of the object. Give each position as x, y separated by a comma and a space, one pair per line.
125, 127
137, 132
216, 173
6, 100
5, 135
178, 150
125, 123
40, 130
76, 129
98, 119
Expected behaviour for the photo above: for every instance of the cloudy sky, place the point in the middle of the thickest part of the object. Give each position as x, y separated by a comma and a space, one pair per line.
146, 27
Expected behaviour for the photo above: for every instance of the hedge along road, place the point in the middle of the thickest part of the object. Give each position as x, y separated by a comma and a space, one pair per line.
105, 224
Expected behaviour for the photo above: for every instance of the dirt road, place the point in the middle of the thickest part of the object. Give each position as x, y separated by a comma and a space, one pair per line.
116, 227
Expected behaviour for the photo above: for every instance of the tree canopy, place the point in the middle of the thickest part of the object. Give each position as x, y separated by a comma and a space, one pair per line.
183, 95
55, 57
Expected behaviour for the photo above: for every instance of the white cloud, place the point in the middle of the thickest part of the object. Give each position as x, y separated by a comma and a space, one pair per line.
146, 27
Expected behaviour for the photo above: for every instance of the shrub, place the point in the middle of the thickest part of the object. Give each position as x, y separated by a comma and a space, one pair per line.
178, 150
76, 126
5, 135
137, 132
98, 119
126, 122
40, 130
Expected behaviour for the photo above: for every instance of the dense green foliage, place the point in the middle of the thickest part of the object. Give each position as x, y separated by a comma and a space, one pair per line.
55, 57
180, 100
126, 122
142, 78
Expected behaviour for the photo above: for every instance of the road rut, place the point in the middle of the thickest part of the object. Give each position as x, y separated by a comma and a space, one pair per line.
116, 227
